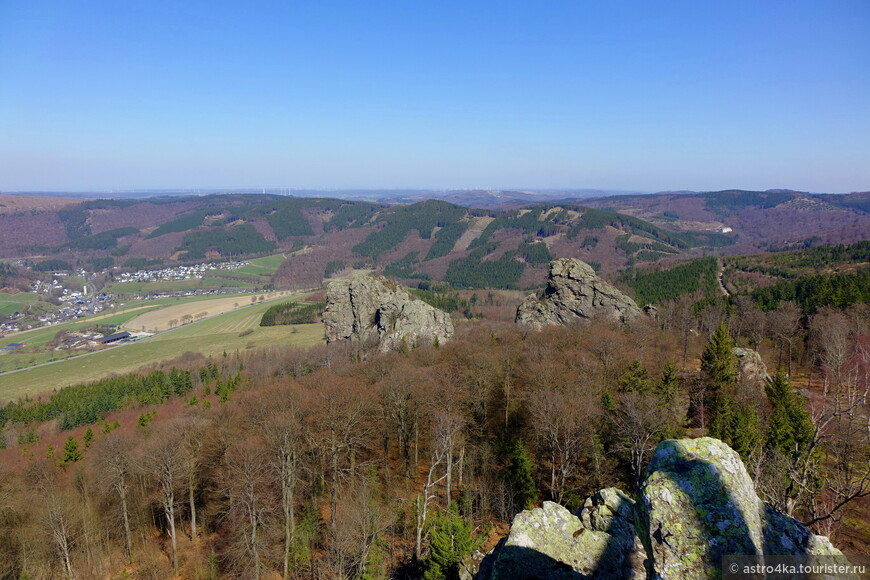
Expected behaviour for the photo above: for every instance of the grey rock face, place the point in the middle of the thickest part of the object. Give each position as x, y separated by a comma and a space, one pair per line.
696, 505
371, 308
575, 292
752, 370
549, 542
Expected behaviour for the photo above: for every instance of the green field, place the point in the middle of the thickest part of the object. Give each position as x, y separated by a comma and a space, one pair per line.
19, 302
34, 340
210, 337
270, 262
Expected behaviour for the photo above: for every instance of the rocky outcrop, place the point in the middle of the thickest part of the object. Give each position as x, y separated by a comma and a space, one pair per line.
575, 292
696, 505
373, 308
751, 369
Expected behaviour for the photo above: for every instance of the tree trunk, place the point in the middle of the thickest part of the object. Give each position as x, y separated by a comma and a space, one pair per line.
125, 514
190, 491
170, 516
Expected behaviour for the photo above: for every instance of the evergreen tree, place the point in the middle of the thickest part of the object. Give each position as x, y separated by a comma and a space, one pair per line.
518, 475
450, 541
790, 427
718, 363
635, 380
88, 437
71, 452
666, 389
722, 424
737, 425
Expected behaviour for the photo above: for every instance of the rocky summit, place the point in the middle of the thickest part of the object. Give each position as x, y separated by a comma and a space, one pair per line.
696, 505
372, 308
575, 292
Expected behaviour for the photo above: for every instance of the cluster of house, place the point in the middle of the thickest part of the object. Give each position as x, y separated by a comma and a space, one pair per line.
80, 304
178, 272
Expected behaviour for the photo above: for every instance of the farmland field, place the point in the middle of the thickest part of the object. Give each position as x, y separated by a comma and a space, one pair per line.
19, 302
158, 320
33, 352
212, 336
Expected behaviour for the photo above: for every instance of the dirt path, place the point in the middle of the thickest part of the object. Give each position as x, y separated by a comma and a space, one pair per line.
720, 272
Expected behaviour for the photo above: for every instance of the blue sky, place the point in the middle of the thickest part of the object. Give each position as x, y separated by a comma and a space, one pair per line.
337, 94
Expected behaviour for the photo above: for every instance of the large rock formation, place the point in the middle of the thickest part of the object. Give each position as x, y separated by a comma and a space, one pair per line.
696, 505
751, 369
575, 292
372, 308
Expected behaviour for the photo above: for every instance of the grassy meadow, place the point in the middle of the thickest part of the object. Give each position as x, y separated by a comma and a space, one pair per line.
212, 336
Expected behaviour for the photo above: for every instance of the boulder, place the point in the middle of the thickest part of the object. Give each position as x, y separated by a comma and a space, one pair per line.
700, 505
696, 505
373, 308
575, 292
550, 542
751, 369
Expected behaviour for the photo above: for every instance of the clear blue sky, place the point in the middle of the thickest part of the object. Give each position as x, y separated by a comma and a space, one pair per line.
337, 94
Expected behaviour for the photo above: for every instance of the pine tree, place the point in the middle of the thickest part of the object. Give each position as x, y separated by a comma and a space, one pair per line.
666, 389
88, 437
718, 363
722, 424
790, 427
635, 380
71, 452
450, 541
519, 477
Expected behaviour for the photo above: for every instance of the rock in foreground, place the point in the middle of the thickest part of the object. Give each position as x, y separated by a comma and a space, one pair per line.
372, 308
696, 505
575, 292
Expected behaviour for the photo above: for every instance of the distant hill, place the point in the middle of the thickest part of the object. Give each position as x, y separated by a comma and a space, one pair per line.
759, 220
470, 244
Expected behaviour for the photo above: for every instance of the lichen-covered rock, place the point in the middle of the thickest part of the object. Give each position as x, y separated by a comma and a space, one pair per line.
551, 543
611, 510
751, 369
575, 292
696, 505
372, 308
699, 504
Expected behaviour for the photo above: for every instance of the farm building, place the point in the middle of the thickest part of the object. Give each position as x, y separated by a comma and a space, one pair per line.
113, 338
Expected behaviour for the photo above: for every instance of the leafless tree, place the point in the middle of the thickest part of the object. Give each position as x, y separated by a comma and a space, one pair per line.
361, 522
56, 514
113, 457
246, 484
785, 324
287, 444
560, 427
445, 431
192, 441
638, 420
164, 464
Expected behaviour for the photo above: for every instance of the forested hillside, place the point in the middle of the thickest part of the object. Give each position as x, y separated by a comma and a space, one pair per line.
336, 461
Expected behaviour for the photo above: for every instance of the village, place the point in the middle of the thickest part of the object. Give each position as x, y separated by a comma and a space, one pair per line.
178, 272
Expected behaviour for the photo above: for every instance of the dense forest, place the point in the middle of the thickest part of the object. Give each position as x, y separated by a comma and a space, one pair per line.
338, 462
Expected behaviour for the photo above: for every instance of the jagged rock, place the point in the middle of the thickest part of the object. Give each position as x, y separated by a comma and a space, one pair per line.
751, 369
372, 308
611, 510
550, 542
697, 504
575, 292
700, 505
